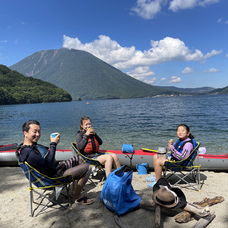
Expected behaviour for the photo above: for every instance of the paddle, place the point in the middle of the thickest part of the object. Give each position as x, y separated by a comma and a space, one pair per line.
149, 150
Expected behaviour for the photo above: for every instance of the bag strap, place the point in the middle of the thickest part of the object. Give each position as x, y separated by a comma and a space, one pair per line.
123, 169
182, 145
21, 147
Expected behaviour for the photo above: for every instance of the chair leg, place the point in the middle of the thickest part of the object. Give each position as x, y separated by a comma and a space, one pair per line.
193, 175
50, 200
31, 200
183, 177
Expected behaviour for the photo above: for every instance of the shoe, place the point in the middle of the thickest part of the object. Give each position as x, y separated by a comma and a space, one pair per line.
94, 171
84, 200
151, 185
151, 179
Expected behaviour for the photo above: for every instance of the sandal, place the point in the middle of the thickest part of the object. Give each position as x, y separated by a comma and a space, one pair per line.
84, 200
151, 179
151, 185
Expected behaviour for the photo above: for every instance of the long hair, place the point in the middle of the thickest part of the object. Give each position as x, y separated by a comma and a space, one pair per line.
82, 119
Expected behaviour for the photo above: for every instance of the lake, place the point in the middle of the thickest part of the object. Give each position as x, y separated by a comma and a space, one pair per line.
142, 122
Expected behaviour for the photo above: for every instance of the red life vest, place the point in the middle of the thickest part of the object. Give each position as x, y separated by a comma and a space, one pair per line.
92, 145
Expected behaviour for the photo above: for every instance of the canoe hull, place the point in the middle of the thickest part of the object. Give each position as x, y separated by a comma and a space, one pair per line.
207, 161
8, 158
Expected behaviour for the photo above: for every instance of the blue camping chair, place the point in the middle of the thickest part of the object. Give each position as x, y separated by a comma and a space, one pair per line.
98, 167
185, 171
39, 184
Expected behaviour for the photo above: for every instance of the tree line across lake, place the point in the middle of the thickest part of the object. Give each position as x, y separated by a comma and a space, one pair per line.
16, 88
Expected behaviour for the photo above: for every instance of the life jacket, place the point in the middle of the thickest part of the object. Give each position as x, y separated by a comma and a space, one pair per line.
92, 145
40, 148
180, 144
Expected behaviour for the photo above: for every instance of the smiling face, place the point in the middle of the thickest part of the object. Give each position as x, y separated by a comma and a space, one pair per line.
182, 133
32, 135
86, 124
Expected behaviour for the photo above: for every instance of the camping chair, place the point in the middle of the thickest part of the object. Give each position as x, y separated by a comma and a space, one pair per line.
39, 184
98, 167
192, 172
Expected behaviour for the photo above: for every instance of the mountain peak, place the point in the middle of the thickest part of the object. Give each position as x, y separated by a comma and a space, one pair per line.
84, 76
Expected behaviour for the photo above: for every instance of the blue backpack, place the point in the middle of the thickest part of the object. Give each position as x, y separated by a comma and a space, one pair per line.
118, 194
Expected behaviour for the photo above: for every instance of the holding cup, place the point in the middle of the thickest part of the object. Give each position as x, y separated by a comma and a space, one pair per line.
53, 135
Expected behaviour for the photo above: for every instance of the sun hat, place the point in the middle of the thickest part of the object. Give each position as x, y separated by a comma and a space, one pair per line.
166, 196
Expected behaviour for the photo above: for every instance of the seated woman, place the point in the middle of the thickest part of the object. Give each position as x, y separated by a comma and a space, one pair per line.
179, 151
88, 142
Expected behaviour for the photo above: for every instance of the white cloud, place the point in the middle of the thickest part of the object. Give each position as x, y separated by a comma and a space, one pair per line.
126, 58
141, 71
148, 9
176, 5
104, 48
150, 80
187, 70
207, 2
175, 79
219, 20
211, 70
3, 41
143, 74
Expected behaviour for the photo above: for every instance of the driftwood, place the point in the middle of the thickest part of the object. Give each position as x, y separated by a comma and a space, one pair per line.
157, 216
118, 221
147, 203
186, 216
210, 202
203, 222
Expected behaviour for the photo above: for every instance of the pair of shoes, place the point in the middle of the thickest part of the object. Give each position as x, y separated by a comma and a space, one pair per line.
84, 200
151, 185
151, 179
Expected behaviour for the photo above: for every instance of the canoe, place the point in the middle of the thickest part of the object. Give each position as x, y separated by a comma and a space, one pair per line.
207, 161
8, 158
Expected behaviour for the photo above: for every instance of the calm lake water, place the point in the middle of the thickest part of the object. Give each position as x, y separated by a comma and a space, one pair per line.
145, 122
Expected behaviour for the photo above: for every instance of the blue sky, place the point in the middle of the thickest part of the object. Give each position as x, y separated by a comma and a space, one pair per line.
180, 43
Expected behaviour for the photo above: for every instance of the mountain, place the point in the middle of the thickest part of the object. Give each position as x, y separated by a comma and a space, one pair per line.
16, 88
220, 91
190, 90
84, 76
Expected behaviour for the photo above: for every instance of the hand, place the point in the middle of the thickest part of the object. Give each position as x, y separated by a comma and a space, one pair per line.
170, 144
56, 139
90, 131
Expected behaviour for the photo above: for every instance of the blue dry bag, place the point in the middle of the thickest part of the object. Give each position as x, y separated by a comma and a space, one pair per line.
118, 194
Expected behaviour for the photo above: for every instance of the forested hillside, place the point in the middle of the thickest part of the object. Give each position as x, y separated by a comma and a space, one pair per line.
16, 88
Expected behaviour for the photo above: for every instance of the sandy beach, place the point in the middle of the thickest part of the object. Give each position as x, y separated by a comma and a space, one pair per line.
15, 206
